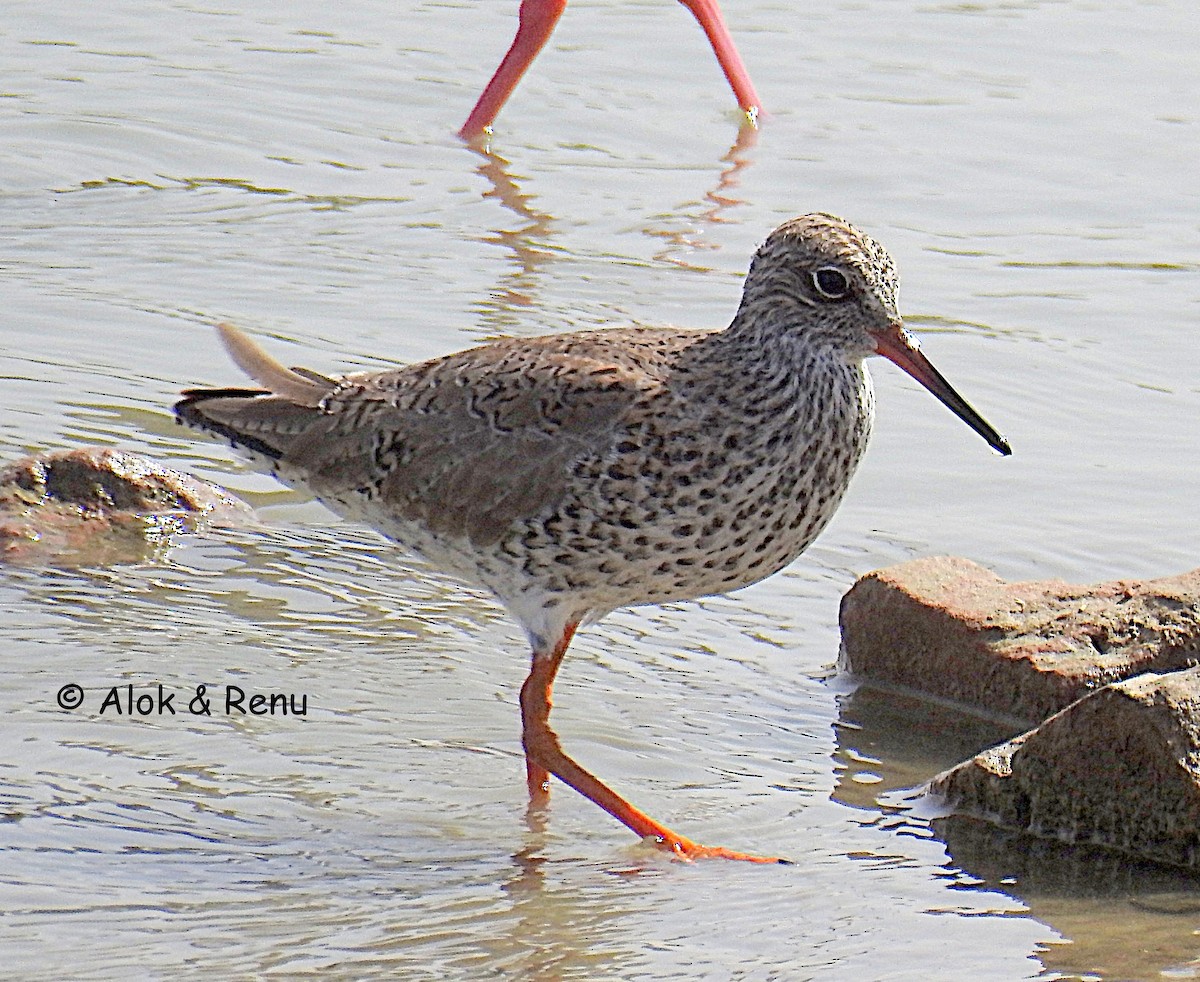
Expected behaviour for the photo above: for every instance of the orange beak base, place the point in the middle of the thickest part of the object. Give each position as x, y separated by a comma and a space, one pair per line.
900, 348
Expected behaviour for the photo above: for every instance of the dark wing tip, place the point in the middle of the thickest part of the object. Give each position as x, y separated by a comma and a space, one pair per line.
195, 396
191, 410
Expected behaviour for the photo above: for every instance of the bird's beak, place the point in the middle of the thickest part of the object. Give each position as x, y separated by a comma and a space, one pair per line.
900, 347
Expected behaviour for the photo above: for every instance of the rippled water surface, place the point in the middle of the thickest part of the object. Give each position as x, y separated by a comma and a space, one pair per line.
293, 168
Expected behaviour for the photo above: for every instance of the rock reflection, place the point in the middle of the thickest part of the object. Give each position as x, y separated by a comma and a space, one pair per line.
1116, 914
903, 741
1119, 915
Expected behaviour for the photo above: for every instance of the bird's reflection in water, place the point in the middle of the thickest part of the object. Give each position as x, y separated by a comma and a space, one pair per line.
530, 243
575, 924
714, 208
517, 288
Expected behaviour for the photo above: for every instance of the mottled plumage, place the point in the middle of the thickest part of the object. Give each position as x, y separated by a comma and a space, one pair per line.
576, 473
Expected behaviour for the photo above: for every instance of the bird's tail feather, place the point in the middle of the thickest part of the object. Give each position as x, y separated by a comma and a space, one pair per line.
267, 421
301, 386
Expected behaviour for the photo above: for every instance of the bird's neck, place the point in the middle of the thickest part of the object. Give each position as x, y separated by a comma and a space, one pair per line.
784, 337
766, 368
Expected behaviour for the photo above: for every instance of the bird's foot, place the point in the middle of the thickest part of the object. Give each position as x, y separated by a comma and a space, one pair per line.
689, 851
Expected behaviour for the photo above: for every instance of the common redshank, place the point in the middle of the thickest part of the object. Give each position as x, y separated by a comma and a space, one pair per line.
577, 473
536, 24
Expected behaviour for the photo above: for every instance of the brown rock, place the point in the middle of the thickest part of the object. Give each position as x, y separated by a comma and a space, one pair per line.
95, 506
952, 629
1120, 768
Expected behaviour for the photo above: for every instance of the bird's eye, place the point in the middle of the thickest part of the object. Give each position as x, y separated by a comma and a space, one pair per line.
831, 282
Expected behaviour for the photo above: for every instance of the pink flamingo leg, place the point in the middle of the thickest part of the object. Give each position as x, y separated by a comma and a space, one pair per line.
538, 18
709, 15
537, 21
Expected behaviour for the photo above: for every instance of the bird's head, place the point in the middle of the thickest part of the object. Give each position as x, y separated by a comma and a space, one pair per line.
830, 285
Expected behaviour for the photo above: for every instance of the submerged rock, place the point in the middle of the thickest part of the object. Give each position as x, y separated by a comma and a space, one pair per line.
953, 629
96, 506
1120, 768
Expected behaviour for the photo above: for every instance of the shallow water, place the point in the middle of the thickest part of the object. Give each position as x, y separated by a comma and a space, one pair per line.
293, 168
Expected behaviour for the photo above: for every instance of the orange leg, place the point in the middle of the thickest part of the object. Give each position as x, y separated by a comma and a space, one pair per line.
538, 779
537, 20
544, 756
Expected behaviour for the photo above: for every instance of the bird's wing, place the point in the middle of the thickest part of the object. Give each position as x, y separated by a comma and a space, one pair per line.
465, 445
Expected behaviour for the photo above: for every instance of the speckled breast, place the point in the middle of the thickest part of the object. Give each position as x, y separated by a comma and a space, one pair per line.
686, 506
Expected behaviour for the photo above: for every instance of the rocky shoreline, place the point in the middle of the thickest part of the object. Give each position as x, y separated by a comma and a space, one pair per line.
1105, 676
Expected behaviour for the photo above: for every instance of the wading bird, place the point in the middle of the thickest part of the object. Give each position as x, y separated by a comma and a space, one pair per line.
573, 474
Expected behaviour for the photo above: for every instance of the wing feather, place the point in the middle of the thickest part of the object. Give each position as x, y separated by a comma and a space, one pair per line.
465, 445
